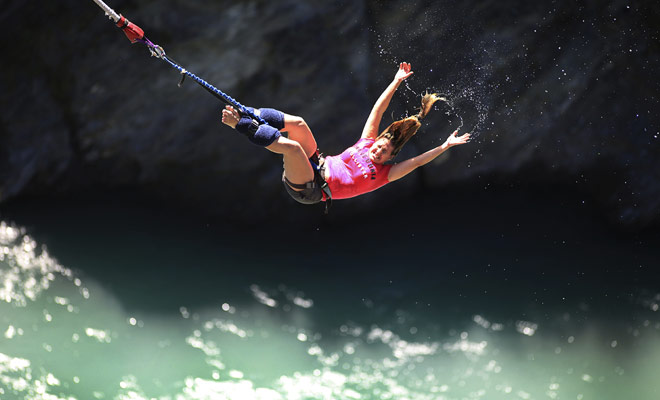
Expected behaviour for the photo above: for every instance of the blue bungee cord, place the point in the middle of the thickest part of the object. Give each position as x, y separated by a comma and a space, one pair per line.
135, 34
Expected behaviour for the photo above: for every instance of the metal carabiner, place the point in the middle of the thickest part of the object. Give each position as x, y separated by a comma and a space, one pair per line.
157, 51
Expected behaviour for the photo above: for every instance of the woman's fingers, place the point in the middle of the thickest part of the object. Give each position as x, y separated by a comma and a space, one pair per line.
405, 70
454, 139
230, 114
232, 111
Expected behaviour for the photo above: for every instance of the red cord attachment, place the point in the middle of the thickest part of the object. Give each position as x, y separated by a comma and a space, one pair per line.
132, 31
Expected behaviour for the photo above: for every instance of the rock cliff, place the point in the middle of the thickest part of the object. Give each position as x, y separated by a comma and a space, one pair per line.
557, 93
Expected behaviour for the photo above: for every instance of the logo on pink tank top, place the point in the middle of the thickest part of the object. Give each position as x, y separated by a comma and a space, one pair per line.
360, 158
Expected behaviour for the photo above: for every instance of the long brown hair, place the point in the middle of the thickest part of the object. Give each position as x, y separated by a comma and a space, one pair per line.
399, 132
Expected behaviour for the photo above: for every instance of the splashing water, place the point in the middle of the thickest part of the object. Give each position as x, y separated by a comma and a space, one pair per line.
465, 80
65, 339
460, 106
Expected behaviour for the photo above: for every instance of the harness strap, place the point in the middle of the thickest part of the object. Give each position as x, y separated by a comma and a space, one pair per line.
326, 190
308, 185
318, 164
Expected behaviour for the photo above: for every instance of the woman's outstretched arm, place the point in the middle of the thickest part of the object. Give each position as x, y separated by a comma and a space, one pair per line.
373, 122
402, 169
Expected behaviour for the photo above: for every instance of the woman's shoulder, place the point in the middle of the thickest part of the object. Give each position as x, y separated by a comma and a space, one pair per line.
363, 142
359, 145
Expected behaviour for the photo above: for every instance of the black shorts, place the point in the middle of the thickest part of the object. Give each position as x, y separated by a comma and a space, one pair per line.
312, 193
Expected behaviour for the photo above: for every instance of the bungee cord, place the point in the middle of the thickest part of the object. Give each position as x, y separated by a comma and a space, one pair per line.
136, 35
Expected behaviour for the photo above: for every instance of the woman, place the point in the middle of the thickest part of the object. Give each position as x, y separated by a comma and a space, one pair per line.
359, 169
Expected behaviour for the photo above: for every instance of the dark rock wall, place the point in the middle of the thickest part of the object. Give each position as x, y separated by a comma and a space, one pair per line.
557, 93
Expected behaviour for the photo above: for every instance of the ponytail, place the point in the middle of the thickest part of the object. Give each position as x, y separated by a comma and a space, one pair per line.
427, 104
399, 132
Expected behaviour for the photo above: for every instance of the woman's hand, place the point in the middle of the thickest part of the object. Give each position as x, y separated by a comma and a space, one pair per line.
230, 116
403, 72
454, 139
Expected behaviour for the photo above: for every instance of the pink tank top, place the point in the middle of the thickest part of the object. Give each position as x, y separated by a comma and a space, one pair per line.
352, 173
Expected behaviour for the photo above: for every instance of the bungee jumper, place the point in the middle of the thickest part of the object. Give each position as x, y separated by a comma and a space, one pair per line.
308, 176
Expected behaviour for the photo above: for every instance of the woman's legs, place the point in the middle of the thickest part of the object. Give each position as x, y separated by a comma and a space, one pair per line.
296, 149
299, 131
297, 168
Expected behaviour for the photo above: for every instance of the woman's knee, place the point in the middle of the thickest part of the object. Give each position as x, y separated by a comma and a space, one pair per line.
294, 148
287, 147
296, 121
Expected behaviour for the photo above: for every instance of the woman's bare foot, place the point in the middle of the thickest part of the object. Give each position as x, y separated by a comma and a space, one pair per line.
230, 116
